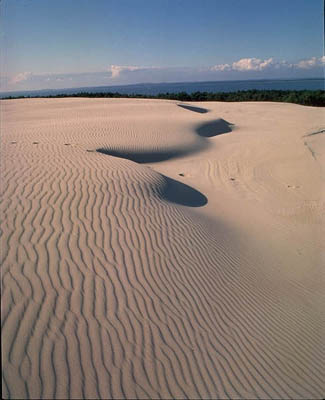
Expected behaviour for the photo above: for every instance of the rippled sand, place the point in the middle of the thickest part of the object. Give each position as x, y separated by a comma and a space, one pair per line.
156, 249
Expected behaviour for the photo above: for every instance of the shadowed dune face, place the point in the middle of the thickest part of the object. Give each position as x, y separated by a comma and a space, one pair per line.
195, 109
214, 128
205, 130
153, 156
143, 157
180, 193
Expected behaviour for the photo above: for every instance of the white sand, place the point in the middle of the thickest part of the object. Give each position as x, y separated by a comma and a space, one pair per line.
199, 275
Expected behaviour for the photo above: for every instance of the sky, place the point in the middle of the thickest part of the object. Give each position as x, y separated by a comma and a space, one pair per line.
73, 43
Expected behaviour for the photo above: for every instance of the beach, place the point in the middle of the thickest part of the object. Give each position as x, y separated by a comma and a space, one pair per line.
160, 249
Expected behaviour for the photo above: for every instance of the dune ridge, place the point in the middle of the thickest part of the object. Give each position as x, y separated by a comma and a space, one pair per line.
127, 280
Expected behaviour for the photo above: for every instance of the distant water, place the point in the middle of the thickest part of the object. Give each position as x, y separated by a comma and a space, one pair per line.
189, 87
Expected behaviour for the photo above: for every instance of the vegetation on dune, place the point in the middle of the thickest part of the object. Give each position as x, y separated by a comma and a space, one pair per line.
303, 97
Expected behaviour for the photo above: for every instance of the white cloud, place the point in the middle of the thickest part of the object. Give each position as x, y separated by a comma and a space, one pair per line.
256, 64
22, 76
131, 74
282, 64
245, 64
311, 63
117, 69
306, 64
251, 64
221, 67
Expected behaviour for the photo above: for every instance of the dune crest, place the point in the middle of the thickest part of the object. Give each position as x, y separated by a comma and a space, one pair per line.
192, 276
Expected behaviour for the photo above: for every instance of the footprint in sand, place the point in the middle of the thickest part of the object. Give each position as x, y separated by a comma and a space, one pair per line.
35, 142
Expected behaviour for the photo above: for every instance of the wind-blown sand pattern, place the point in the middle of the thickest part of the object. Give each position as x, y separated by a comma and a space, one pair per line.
193, 271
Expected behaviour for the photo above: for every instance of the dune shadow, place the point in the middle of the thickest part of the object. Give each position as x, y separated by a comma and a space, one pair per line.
180, 193
193, 108
214, 128
173, 191
142, 157
152, 156
205, 130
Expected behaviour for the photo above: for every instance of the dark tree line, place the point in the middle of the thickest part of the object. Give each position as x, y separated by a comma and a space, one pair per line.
304, 97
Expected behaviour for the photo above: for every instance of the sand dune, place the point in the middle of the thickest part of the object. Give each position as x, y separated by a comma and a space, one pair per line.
157, 251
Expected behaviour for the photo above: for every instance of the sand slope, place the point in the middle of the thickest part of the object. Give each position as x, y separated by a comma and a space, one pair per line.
152, 250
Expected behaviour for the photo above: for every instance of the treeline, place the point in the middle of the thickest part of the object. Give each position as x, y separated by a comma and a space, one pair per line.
304, 97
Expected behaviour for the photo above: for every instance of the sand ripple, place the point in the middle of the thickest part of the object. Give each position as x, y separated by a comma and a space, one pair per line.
114, 284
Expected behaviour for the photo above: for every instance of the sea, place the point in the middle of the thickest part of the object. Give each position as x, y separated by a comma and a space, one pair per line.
189, 87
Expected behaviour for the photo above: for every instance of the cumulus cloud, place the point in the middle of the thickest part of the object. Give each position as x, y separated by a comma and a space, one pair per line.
131, 74
311, 63
221, 67
116, 70
245, 64
251, 64
282, 64
22, 76
256, 64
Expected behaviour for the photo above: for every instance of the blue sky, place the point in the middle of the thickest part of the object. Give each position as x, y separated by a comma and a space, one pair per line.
73, 43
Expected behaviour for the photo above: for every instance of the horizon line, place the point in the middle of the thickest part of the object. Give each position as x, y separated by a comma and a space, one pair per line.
162, 83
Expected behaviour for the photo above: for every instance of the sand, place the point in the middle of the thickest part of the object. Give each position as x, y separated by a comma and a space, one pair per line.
157, 249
